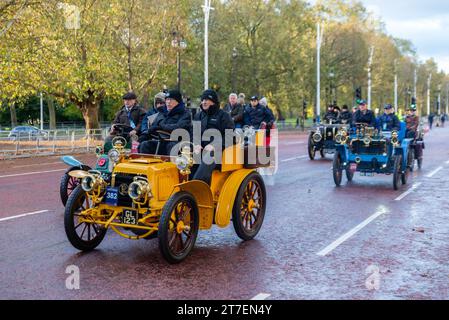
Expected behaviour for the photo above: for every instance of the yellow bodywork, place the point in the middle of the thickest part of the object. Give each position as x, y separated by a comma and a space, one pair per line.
215, 202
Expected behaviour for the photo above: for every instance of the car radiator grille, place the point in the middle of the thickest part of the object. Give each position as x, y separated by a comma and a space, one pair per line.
376, 147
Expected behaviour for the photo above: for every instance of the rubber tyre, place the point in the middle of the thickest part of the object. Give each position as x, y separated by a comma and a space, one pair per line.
397, 175
244, 233
311, 148
78, 197
65, 185
337, 170
164, 227
349, 175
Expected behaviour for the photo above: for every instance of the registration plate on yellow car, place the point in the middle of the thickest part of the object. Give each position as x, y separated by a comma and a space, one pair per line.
130, 217
111, 197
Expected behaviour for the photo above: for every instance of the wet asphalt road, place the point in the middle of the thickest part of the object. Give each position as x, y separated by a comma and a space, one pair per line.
360, 241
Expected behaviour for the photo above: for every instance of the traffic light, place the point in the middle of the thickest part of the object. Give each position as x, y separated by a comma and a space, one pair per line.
358, 94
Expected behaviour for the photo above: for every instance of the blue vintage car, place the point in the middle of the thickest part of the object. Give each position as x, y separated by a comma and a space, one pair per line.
372, 151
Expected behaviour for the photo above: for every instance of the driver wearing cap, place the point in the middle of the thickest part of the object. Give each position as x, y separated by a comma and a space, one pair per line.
389, 121
363, 115
130, 115
412, 122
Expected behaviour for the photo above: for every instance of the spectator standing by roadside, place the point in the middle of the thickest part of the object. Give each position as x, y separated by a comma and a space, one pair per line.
431, 118
236, 110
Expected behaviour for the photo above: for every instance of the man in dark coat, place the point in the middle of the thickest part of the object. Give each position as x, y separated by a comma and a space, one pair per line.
345, 116
176, 117
363, 115
331, 115
150, 117
235, 109
258, 116
389, 121
211, 117
131, 114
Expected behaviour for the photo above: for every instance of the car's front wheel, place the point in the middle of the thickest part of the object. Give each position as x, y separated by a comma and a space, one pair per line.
178, 227
83, 235
337, 170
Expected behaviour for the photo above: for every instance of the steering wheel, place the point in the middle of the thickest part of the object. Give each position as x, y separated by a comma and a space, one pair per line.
122, 129
161, 135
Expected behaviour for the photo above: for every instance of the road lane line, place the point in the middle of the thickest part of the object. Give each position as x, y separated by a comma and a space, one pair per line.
430, 175
292, 143
31, 173
23, 215
261, 296
295, 158
36, 164
351, 233
412, 189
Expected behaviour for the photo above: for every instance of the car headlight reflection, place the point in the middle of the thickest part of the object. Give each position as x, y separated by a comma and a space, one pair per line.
317, 137
140, 190
114, 156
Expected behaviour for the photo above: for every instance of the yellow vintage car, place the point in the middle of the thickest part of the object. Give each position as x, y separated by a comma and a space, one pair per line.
148, 197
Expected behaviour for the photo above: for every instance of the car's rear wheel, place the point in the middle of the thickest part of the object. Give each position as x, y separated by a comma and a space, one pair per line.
349, 174
82, 235
249, 207
397, 168
337, 170
411, 160
311, 148
178, 227
67, 186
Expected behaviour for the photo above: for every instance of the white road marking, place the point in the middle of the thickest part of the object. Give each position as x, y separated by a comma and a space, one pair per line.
295, 158
430, 175
447, 162
412, 189
23, 215
292, 143
351, 233
261, 296
37, 164
31, 173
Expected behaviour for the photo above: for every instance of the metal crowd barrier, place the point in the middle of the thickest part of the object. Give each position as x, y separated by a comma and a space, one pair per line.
50, 142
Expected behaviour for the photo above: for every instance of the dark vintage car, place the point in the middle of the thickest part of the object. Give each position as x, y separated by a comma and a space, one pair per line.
322, 139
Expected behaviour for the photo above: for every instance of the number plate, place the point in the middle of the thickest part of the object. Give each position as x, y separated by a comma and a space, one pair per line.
111, 197
367, 174
130, 217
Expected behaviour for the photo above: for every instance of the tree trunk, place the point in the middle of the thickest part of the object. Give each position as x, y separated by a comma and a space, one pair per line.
51, 112
13, 115
90, 112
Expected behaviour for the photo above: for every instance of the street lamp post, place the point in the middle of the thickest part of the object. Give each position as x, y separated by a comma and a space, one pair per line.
429, 82
319, 40
206, 9
42, 110
233, 73
179, 44
395, 86
370, 64
332, 88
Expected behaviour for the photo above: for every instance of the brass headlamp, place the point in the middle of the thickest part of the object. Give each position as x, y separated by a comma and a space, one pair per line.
94, 184
184, 162
140, 190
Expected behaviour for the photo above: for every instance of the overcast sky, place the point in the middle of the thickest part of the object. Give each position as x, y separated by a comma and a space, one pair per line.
424, 22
